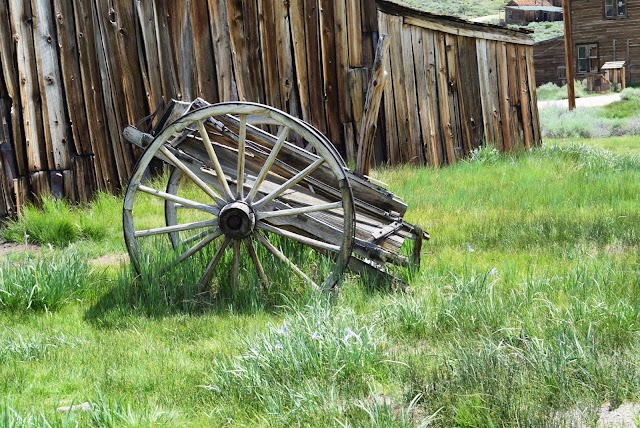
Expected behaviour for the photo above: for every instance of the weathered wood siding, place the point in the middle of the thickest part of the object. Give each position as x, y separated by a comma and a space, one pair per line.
548, 55
617, 39
454, 87
74, 73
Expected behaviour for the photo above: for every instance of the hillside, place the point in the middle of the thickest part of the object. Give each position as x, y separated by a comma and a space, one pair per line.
462, 8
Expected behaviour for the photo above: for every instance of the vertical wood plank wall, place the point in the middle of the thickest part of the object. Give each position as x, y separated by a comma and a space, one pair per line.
454, 88
74, 73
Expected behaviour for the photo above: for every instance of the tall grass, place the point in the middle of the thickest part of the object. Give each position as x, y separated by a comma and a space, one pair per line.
57, 223
43, 284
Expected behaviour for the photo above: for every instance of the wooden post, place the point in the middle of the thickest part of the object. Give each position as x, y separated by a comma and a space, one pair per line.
372, 108
568, 49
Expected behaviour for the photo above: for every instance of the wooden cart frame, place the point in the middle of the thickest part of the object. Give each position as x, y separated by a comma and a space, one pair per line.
249, 183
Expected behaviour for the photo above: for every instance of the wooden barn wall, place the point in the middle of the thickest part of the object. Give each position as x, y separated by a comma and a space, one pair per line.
74, 73
548, 55
450, 94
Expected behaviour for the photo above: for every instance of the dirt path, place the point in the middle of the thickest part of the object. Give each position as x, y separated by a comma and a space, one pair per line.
598, 101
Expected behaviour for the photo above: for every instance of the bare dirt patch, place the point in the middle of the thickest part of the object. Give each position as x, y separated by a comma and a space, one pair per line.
7, 248
110, 260
624, 416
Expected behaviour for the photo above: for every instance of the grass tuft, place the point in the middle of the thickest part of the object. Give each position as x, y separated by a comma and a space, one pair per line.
43, 284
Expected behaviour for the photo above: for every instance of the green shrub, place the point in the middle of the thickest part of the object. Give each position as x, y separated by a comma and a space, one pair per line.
629, 94
46, 283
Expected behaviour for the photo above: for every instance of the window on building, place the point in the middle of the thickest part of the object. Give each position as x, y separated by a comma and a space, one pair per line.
588, 58
615, 8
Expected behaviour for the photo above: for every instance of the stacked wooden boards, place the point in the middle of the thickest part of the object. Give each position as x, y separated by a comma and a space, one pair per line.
455, 86
75, 73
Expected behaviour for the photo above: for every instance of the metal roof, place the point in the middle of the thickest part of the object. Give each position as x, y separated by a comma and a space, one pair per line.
612, 65
534, 8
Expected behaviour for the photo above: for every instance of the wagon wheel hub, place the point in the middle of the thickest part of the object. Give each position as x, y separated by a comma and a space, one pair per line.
237, 220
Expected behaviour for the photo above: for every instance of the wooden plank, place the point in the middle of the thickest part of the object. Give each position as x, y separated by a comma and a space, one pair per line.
30, 96
398, 80
354, 31
444, 106
517, 133
427, 134
503, 80
9, 71
414, 137
39, 185
51, 87
437, 128
369, 17
298, 36
167, 66
342, 60
222, 49
21, 192
357, 79
477, 34
314, 65
148, 54
285, 58
182, 52
206, 82
329, 72
255, 89
526, 99
531, 80
70, 71
86, 32
483, 71
350, 143
493, 92
379, 80
470, 94
391, 125
268, 41
235, 17
455, 103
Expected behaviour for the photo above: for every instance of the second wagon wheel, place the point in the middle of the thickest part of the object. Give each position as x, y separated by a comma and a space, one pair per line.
241, 202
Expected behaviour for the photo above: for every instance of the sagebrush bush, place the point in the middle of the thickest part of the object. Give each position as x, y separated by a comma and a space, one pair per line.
45, 283
630, 94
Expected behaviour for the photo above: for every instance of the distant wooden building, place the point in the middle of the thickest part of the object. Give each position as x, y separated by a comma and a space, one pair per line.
548, 56
604, 31
523, 12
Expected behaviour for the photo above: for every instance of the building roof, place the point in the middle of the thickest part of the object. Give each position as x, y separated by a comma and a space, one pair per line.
612, 65
534, 8
529, 3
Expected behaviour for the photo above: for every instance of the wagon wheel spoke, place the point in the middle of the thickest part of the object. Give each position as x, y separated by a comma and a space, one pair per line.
276, 252
179, 200
314, 243
214, 160
256, 261
199, 246
298, 211
205, 280
177, 228
242, 138
283, 133
197, 180
290, 183
199, 236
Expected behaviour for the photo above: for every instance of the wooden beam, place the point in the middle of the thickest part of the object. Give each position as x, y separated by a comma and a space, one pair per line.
372, 107
568, 49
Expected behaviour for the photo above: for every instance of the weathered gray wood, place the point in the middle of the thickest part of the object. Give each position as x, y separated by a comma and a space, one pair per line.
379, 80
30, 96
222, 49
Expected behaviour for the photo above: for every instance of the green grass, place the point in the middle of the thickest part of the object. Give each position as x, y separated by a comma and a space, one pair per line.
525, 313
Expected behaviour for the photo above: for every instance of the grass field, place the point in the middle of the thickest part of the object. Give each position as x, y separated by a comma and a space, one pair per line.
525, 314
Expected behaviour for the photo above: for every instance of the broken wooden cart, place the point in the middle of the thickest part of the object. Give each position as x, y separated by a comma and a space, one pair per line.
252, 191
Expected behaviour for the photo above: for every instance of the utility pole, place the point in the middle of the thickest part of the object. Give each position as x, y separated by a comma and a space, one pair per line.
568, 53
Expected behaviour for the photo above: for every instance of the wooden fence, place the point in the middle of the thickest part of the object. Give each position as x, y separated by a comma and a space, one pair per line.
74, 73
455, 85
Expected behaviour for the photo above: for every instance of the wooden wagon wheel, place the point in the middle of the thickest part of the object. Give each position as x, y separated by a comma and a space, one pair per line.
239, 199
